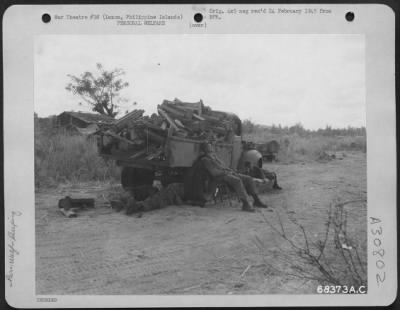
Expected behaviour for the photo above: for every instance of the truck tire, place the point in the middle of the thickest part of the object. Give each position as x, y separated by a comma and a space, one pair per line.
134, 177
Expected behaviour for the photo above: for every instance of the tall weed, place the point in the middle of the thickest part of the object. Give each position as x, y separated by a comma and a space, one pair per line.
62, 157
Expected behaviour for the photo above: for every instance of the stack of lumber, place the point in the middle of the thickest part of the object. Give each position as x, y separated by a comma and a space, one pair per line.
144, 137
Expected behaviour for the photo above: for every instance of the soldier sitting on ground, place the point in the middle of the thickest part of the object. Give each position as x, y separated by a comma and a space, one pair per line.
171, 195
239, 183
263, 174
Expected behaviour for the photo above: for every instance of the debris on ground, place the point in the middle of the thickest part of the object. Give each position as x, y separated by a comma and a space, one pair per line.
68, 206
68, 213
326, 156
346, 247
245, 271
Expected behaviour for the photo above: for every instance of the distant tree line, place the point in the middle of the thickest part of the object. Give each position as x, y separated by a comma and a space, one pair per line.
249, 127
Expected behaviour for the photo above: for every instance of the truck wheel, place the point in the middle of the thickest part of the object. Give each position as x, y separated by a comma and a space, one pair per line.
134, 177
169, 179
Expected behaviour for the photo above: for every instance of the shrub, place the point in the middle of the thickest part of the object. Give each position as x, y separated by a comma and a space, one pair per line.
337, 257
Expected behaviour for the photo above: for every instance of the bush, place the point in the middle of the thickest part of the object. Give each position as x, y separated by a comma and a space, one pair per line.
62, 157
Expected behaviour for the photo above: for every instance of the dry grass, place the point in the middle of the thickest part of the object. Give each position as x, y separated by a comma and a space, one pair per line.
299, 143
337, 257
295, 147
61, 157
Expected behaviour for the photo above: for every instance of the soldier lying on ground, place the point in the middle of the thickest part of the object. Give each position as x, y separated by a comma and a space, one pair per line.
239, 183
170, 195
174, 193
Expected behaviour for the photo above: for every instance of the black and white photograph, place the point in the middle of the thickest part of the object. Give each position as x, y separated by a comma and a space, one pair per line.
199, 161
223, 164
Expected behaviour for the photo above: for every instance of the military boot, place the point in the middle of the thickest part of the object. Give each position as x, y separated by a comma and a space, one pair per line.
131, 206
276, 186
246, 206
258, 203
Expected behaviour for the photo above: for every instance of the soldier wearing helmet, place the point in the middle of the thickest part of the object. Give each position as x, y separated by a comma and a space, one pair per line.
251, 164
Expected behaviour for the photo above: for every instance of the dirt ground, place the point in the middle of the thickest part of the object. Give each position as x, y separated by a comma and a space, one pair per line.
192, 250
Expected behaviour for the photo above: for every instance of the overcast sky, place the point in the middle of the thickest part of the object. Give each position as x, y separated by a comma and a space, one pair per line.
316, 80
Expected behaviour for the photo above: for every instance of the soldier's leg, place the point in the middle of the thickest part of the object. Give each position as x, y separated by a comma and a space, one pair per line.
251, 189
235, 182
257, 172
273, 177
119, 200
170, 195
248, 183
150, 203
178, 193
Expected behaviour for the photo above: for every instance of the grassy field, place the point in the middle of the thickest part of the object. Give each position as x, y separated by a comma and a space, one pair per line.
294, 147
67, 158
62, 157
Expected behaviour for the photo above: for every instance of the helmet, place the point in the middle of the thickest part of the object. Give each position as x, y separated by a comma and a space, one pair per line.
252, 157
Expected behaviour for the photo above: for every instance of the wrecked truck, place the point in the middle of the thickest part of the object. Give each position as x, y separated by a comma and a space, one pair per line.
165, 145
269, 150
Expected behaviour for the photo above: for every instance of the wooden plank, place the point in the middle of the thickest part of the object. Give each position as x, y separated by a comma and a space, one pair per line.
217, 129
193, 106
183, 113
132, 114
128, 118
195, 125
187, 140
198, 117
152, 126
164, 125
173, 110
154, 137
154, 154
178, 122
167, 117
109, 133
138, 154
